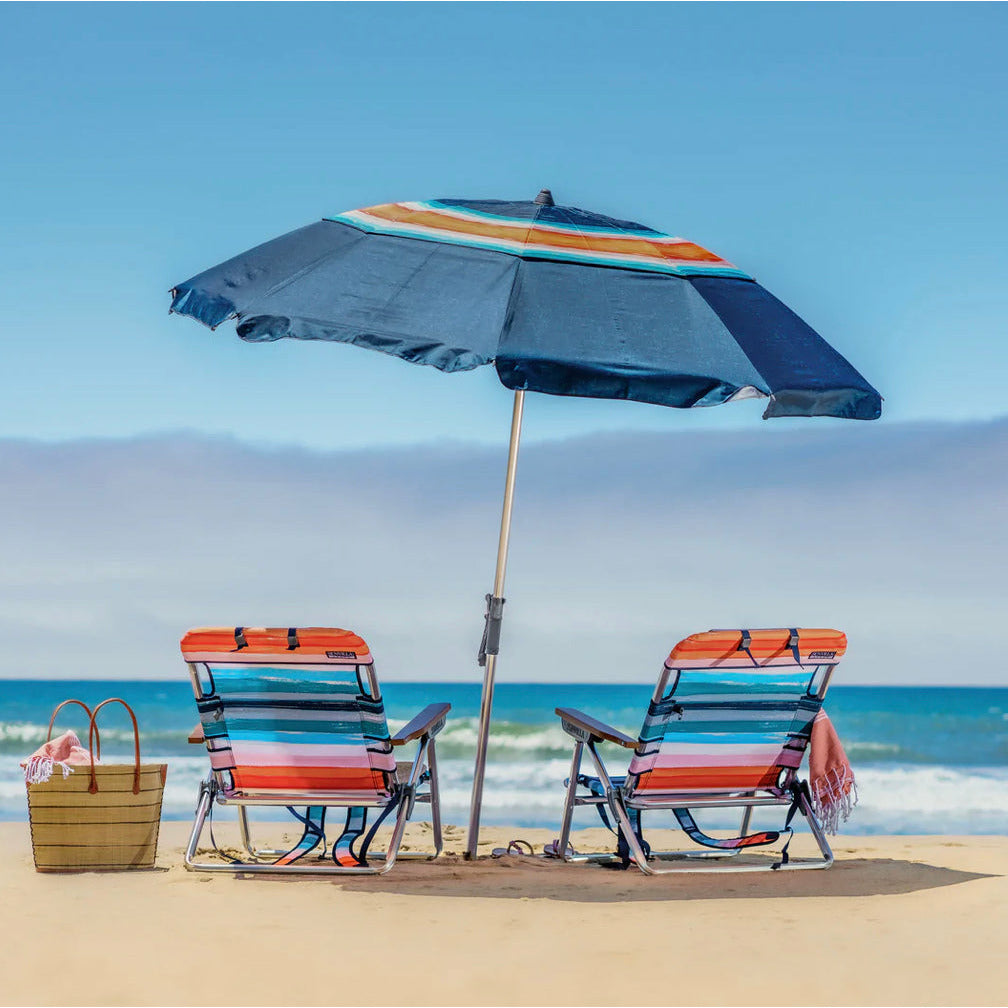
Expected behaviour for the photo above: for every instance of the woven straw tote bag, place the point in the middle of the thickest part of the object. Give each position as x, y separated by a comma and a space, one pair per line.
102, 818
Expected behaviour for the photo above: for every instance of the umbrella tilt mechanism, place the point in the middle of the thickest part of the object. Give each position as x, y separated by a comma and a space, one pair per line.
492, 620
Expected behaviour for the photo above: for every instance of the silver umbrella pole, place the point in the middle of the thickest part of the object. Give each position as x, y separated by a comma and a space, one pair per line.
491, 634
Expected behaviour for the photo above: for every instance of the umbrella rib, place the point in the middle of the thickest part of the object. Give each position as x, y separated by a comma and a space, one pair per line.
288, 280
405, 283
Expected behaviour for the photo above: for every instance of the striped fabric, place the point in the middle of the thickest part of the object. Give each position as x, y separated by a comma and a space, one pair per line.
565, 238
734, 718
281, 722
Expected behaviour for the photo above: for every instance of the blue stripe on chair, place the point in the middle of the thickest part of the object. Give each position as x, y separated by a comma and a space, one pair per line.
302, 737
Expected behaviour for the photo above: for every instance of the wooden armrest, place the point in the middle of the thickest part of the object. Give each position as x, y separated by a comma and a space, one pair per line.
428, 722
597, 730
196, 735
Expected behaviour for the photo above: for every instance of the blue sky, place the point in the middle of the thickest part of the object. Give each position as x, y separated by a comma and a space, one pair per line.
851, 157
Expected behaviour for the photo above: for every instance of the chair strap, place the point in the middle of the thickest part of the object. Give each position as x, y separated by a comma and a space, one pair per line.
799, 789
634, 815
746, 644
313, 835
342, 849
213, 840
793, 644
385, 812
690, 828
622, 847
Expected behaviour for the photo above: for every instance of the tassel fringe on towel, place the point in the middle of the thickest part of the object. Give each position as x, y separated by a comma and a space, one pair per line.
831, 779
40, 768
59, 752
833, 798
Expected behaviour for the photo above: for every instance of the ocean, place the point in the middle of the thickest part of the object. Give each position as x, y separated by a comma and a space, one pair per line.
927, 760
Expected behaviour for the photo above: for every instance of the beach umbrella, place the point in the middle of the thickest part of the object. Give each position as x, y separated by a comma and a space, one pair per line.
559, 300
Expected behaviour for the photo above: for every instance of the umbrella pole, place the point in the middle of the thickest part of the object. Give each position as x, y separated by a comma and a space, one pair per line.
491, 638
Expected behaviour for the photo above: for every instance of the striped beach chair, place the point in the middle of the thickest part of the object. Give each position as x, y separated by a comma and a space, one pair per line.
294, 718
727, 726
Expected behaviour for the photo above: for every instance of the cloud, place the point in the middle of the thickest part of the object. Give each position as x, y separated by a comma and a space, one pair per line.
621, 544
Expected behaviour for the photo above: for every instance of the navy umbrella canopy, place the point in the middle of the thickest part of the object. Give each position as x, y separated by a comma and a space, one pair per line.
559, 300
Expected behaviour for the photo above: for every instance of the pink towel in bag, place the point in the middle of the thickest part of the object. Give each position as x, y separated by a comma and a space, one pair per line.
831, 779
64, 752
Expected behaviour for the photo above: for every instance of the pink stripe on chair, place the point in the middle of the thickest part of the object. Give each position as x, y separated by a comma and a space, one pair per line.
279, 754
685, 755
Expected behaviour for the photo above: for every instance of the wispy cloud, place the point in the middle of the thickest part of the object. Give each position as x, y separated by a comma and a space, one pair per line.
621, 544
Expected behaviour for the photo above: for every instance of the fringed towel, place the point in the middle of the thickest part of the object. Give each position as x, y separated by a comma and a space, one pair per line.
831, 779
64, 752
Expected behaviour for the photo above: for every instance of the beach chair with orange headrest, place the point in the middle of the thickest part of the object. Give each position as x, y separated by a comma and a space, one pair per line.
727, 726
294, 718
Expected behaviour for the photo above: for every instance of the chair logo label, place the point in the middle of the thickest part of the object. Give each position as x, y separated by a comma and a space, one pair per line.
822, 654
341, 654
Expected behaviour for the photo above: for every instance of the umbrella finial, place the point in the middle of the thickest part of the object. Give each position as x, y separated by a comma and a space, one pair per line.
545, 198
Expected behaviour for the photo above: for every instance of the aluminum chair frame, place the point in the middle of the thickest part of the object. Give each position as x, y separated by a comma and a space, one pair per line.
422, 729
588, 732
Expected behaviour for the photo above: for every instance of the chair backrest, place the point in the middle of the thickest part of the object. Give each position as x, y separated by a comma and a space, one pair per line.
290, 711
733, 710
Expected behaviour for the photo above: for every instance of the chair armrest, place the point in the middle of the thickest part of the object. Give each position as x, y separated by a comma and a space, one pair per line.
196, 735
428, 722
578, 724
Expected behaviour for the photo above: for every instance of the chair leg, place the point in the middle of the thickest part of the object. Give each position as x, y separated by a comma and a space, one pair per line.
625, 827
244, 827
435, 804
568, 811
615, 802
820, 836
407, 803
202, 808
397, 834
435, 800
746, 819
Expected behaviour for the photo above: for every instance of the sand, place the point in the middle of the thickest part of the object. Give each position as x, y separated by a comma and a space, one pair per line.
897, 920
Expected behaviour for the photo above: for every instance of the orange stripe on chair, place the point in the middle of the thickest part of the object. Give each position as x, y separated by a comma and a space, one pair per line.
273, 640
734, 778
765, 644
299, 778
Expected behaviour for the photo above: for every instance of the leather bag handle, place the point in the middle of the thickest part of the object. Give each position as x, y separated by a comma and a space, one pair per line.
93, 731
87, 710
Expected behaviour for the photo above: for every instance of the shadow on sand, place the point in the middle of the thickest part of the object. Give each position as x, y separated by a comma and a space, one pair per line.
515, 877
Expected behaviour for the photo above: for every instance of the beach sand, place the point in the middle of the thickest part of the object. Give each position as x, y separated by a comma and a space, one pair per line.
897, 920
